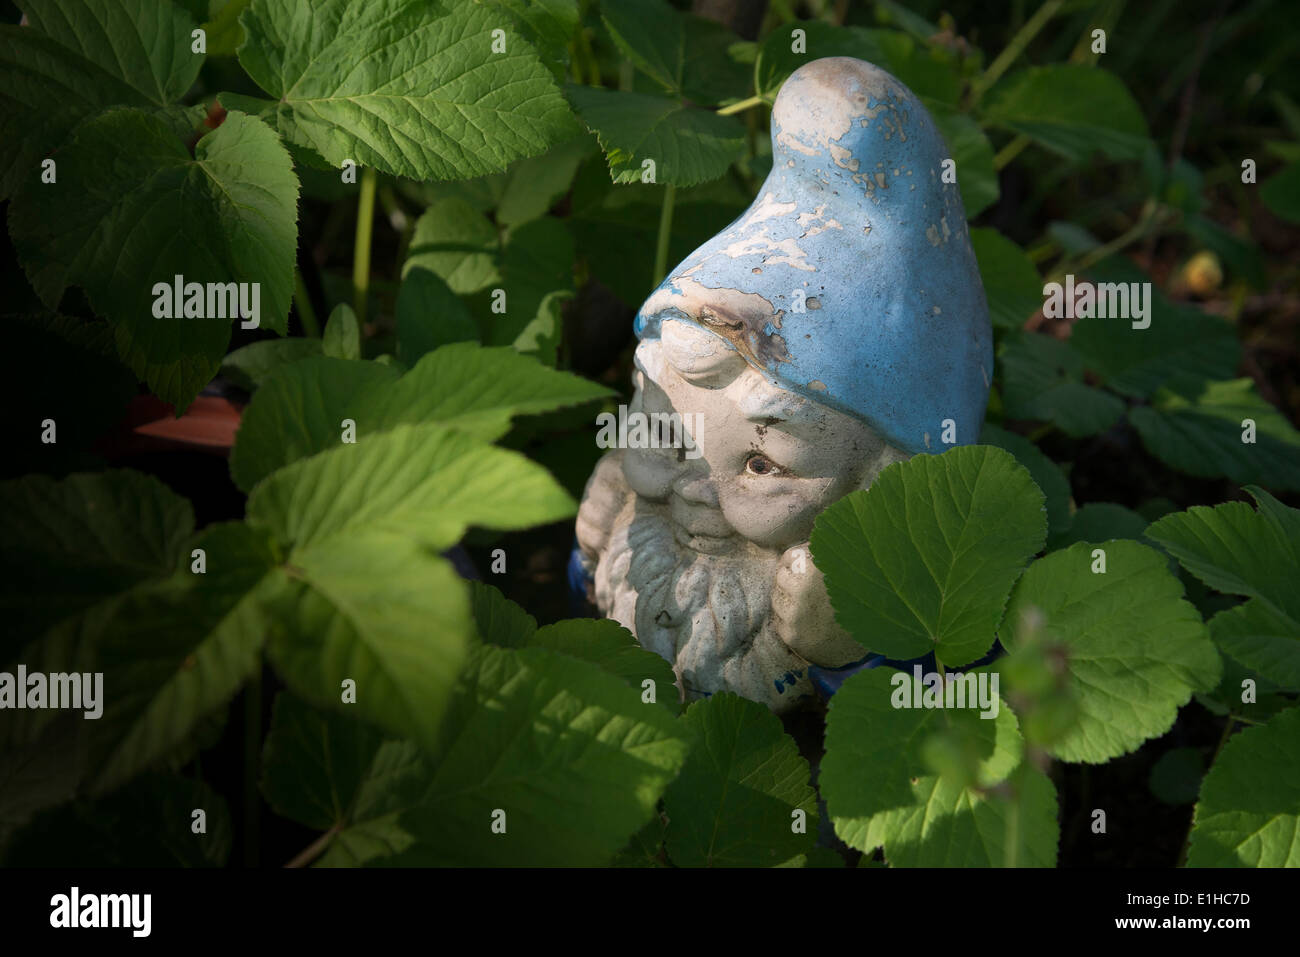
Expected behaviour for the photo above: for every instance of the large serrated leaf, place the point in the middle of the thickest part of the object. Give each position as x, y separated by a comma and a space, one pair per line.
1072, 110
686, 145
132, 208
424, 482
1043, 378
377, 609
77, 57
405, 86
924, 559
611, 646
1206, 435
568, 754
300, 410
72, 543
178, 650
744, 797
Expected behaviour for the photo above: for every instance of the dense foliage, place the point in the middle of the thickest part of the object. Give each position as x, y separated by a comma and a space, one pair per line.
1115, 533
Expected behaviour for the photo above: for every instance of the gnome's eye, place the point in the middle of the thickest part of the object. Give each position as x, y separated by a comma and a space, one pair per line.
761, 465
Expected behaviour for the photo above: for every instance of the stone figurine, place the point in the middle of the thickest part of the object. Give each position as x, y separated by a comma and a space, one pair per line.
836, 327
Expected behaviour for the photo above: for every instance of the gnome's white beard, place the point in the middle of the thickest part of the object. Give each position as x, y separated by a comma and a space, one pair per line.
709, 614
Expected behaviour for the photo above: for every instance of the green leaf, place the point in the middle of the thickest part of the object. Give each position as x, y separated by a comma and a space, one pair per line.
342, 336
423, 482
1072, 110
1043, 379
684, 54
429, 315
569, 753
1203, 435
1180, 343
608, 644
457, 243
391, 782
548, 25
970, 149
314, 762
133, 208
1011, 283
924, 559
686, 145
479, 390
537, 261
744, 797
1262, 639
1249, 809
499, 620
74, 543
77, 57
1100, 522
225, 35
534, 185
402, 85
950, 826
251, 365
876, 744
1047, 475
378, 609
298, 410
178, 650
1136, 650
301, 408
1281, 193
1238, 550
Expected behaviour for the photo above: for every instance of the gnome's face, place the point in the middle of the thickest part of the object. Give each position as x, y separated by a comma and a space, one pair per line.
766, 460
837, 326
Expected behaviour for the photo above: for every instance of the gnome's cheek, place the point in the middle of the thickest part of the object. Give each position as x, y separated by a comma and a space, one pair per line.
777, 516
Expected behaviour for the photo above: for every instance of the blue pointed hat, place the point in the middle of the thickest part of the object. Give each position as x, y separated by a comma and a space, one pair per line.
850, 279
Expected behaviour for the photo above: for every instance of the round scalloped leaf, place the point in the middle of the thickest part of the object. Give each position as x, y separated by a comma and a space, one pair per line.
924, 559
1136, 649
1249, 811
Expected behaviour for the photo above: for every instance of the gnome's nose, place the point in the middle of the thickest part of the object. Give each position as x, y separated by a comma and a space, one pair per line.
696, 488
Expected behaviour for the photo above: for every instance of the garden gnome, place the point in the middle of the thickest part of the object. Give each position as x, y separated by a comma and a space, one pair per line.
836, 327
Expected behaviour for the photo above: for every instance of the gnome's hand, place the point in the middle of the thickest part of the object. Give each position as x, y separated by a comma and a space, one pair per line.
802, 613
606, 493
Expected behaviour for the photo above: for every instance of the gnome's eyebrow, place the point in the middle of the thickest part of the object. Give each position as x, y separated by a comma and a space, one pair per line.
771, 406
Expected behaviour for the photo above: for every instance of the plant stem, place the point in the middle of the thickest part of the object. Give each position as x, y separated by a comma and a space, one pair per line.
1010, 152
316, 848
665, 231
1014, 49
252, 767
740, 107
302, 302
1011, 850
361, 247
1139, 229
